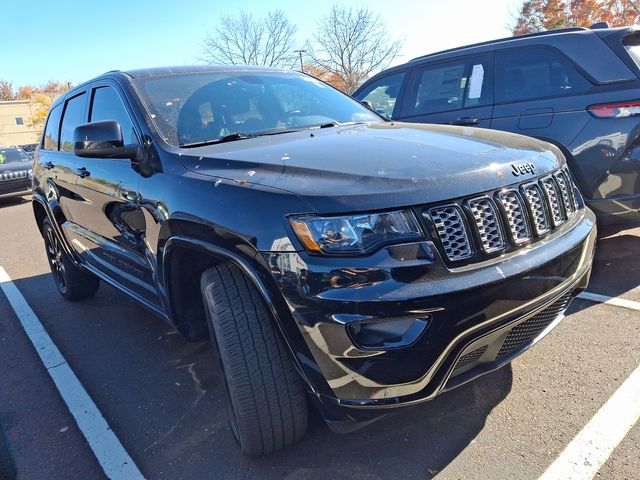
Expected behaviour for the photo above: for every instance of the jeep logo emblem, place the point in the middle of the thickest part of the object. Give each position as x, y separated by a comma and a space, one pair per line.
518, 170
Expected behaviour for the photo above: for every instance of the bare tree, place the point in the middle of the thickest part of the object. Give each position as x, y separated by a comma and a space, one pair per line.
243, 40
352, 44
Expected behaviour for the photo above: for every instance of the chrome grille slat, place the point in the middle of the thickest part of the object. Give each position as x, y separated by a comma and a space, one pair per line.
449, 224
516, 217
487, 224
565, 193
8, 176
551, 193
533, 195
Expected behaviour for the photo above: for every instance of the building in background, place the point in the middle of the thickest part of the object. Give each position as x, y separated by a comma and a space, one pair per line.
16, 123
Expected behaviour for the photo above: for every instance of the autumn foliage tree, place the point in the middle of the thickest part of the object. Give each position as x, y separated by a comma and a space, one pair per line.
40, 97
326, 76
539, 15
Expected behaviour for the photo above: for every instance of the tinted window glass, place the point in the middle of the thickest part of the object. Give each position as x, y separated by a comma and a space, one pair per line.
383, 94
73, 116
50, 141
450, 86
530, 73
11, 155
107, 105
202, 107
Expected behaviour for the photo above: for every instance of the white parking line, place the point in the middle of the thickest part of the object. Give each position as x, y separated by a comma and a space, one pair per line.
113, 458
590, 449
617, 301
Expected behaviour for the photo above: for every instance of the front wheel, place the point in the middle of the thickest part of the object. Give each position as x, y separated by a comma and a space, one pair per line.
266, 398
73, 282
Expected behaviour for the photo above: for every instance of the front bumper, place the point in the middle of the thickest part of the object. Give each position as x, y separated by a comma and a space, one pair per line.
465, 306
15, 188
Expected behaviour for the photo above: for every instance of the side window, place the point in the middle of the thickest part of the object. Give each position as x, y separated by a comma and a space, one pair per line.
107, 105
455, 85
383, 94
72, 117
50, 140
529, 73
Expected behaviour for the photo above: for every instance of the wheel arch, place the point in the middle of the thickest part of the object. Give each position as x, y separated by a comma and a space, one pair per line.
185, 259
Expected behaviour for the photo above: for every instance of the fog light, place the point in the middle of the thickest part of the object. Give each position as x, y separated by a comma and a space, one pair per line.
388, 333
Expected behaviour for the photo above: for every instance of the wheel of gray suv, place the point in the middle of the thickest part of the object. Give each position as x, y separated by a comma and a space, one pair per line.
265, 395
72, 282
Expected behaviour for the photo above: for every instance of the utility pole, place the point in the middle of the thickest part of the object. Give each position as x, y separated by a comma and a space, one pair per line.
300, 52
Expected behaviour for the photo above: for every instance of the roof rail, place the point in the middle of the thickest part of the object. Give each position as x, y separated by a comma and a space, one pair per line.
504, 39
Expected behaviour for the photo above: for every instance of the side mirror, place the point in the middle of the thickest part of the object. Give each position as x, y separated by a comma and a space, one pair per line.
101, 140
368, 104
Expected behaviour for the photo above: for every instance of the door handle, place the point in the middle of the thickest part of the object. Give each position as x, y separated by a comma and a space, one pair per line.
465, 121
82, 172
48, 165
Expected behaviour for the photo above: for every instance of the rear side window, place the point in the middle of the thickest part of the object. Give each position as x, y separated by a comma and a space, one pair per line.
107, 105
383, 94
50, 140
73, 116
529, 73
454, 85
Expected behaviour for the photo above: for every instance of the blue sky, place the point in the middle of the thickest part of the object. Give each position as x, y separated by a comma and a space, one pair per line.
72, 40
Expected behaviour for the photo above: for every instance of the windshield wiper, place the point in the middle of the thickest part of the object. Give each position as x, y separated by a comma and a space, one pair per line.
232, 137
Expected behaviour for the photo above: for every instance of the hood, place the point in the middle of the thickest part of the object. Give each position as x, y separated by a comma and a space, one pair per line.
377, 166
15, 167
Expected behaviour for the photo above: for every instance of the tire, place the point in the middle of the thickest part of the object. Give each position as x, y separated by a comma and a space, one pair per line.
73, 282
266, 399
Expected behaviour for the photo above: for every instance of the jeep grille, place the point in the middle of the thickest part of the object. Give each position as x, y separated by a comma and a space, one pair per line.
506, 219
8, 176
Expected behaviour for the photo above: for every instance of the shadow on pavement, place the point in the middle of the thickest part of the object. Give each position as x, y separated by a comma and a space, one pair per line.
418, 441
616, 265
164, 398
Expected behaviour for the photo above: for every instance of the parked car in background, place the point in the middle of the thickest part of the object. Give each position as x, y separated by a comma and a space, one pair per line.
330, 256
30, 148
577, 88
15, 172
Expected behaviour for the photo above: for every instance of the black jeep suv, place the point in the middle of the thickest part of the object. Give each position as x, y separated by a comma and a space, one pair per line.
15, 172
577, 88
330, 255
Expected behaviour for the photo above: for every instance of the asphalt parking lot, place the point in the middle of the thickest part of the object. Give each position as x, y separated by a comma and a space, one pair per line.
163, 397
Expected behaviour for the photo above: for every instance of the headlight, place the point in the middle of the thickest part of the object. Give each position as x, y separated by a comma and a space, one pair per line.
356, 234
30, 172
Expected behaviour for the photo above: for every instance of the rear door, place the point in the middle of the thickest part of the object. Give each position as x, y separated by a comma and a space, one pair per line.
109, 224
456, 91
55, 166
538, 92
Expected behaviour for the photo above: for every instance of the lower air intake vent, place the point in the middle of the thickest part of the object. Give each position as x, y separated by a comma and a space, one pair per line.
471, 357
528, 330
452, 232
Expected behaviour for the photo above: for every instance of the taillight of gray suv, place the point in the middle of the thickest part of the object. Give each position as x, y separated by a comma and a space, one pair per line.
577, 88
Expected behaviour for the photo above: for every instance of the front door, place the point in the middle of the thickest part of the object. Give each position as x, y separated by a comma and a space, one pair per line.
109, 224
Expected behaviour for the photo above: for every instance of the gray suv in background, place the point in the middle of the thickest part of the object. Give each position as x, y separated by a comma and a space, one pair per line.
577, 88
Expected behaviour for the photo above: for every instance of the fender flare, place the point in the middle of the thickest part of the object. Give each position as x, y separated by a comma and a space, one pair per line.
287, 326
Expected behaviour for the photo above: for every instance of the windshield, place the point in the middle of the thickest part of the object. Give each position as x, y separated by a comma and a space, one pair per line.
200, 107
10, 155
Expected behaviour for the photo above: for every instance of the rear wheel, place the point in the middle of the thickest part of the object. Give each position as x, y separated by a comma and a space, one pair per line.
73, 282
265, 395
